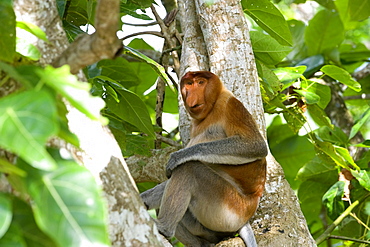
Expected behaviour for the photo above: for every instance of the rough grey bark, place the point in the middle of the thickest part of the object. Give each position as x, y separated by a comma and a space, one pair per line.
216, 37
98, 149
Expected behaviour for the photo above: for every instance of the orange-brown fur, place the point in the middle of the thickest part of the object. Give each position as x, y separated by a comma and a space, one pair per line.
230, 114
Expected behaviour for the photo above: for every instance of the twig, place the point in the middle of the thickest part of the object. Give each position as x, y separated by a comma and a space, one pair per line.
142, 33
361, 96
168, 35
141, 25
161, 90
168, 141
341, 217
349, 239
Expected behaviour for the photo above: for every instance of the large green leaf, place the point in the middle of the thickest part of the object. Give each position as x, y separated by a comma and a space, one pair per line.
67, 204
27, 120
7, 31
24, 221
119, 70
5, 213
341, 75
267, 49
325, 31
314, 168
268, 17
131, 109
359, 9
77, 93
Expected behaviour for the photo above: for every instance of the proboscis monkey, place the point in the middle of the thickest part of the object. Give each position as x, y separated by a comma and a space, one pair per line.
215, 183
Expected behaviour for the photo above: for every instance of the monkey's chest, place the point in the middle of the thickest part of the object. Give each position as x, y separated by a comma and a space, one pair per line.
212, 133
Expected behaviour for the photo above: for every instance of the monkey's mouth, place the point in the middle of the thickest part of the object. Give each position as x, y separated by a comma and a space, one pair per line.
196, 106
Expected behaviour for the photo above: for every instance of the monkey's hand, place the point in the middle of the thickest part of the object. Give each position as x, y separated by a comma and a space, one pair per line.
233, 150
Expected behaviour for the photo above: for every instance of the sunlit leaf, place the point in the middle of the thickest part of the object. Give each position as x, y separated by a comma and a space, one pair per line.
77, 93
363, 177
311, 98
341, 75
32, 28
67, 204
27, 120
268, 17
6, 213
356, 128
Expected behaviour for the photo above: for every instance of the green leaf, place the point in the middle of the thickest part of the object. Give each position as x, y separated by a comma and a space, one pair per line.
119, 70
325, 31
156, 66
333, 135
28, 119
136, 145
25, 48
344, 153
270, 81
341, 75
363, 177
311, 98
356, 128
6, 213
23, 219
323, 91
9, 168
294, 118
269, 18
13, 237
77, 93
314, 168
333, 200
359, 9
67, 204
32, 28
337, 154
288, 75
267, 49
7, 31
131, 109
130, 9
319, 115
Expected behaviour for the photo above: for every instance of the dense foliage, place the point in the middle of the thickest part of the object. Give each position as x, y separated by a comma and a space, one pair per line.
303, 65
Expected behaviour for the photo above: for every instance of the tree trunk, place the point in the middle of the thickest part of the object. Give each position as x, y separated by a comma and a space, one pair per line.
216, 38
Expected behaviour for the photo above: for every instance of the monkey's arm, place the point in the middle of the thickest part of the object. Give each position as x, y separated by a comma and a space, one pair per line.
233, 150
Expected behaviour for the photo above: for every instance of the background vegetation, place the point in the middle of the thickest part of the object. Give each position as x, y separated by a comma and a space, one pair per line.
313, 63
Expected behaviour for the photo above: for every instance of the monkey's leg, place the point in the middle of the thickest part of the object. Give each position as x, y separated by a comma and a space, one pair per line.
152, 198
188, 239
246, 233
175, 200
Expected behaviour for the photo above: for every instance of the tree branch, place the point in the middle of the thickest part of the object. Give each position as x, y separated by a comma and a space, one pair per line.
88, 49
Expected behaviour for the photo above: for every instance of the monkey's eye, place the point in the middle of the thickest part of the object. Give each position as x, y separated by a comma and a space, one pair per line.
200, 82
189, 83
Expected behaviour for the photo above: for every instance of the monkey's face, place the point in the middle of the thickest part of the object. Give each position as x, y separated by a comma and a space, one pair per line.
193, 93
199, 91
